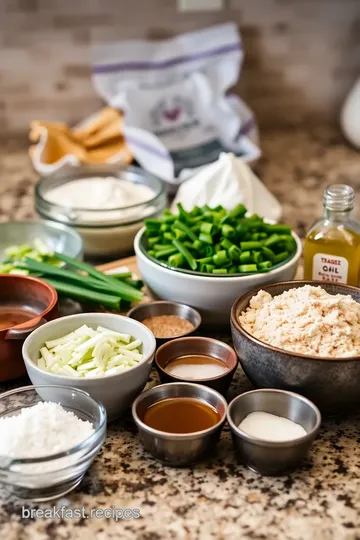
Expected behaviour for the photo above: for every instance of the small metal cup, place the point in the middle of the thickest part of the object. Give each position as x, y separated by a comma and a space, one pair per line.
198, 345
162, 307
266, 457
178, 449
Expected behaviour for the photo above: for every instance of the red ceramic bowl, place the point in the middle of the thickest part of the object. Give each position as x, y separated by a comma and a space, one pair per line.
25, 304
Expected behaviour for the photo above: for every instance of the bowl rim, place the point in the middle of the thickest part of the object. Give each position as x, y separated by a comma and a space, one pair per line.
65, 453
28, 325
91, 169
296, 284
193, 339
255, 277
91, 381
167, 302
53, 225
274, 444
178, 436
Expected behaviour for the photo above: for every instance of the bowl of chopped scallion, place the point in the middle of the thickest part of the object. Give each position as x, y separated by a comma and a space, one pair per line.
208, 256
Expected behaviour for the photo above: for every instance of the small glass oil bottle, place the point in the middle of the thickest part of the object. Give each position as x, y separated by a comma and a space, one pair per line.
332, 246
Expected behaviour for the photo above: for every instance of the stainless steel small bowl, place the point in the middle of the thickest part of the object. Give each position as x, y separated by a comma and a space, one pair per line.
153, 309
266, 457
178, 449
198, 345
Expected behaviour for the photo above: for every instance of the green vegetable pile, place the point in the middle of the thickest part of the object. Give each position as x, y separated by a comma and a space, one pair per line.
84, 283
217, 241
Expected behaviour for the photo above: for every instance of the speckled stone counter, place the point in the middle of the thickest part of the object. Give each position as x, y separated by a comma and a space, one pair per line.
218, 498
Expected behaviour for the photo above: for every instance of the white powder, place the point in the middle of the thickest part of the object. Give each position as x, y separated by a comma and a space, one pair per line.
42, 430
306, 320
99, 193
270, 427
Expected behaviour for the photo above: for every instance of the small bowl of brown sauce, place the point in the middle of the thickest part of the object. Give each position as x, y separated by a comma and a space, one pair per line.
167, 320
198, 360
25, 304
179, 423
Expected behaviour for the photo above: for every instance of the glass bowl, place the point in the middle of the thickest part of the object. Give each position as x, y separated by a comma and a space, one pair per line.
105, 232
49, 477
55, 236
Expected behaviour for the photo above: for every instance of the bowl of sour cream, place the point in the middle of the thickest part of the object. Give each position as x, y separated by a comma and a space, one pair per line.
272, 430
105, 204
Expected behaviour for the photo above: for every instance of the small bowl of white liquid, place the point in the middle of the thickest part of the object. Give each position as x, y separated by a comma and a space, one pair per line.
272, 429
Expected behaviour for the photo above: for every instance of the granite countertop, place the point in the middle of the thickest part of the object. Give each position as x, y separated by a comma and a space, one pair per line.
218, 498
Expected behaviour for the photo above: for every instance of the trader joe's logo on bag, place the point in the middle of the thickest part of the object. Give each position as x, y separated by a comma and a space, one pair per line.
171, 110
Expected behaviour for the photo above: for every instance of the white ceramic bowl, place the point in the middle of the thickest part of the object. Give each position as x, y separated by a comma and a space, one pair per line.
213, 296
115, 392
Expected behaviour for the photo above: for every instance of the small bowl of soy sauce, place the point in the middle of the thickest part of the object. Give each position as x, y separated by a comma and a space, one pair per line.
199, 360
179, 423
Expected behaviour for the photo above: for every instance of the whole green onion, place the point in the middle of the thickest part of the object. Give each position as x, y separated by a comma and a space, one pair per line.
86, 295
125, 291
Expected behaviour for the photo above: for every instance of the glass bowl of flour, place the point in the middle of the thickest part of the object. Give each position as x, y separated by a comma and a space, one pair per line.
106, 204
49, 436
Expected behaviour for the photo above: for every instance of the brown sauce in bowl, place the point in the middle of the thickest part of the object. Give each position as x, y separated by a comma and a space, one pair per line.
12, 315
181, 415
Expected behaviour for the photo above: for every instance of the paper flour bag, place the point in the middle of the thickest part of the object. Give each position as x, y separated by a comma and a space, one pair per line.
176, 89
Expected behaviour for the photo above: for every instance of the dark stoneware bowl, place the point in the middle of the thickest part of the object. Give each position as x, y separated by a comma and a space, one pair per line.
333, 384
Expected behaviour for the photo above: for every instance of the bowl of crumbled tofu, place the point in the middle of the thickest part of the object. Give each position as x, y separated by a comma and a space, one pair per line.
302, 336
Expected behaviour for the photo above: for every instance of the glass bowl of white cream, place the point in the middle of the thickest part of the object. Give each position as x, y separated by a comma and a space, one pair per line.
106, 204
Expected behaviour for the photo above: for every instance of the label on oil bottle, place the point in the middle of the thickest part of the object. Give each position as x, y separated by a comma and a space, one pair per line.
330, 268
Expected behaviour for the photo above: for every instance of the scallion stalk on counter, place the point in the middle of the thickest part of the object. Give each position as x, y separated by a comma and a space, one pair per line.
78, 280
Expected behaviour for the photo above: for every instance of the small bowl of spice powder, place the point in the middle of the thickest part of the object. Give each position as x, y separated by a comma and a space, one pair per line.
167, 320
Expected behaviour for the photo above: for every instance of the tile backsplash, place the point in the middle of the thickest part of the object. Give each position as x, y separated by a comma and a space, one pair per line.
301, 56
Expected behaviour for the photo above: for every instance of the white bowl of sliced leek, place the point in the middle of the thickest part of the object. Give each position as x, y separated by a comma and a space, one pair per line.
107, 355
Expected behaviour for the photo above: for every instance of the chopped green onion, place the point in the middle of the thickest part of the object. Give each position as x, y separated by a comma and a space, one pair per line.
186, 253
245, 268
